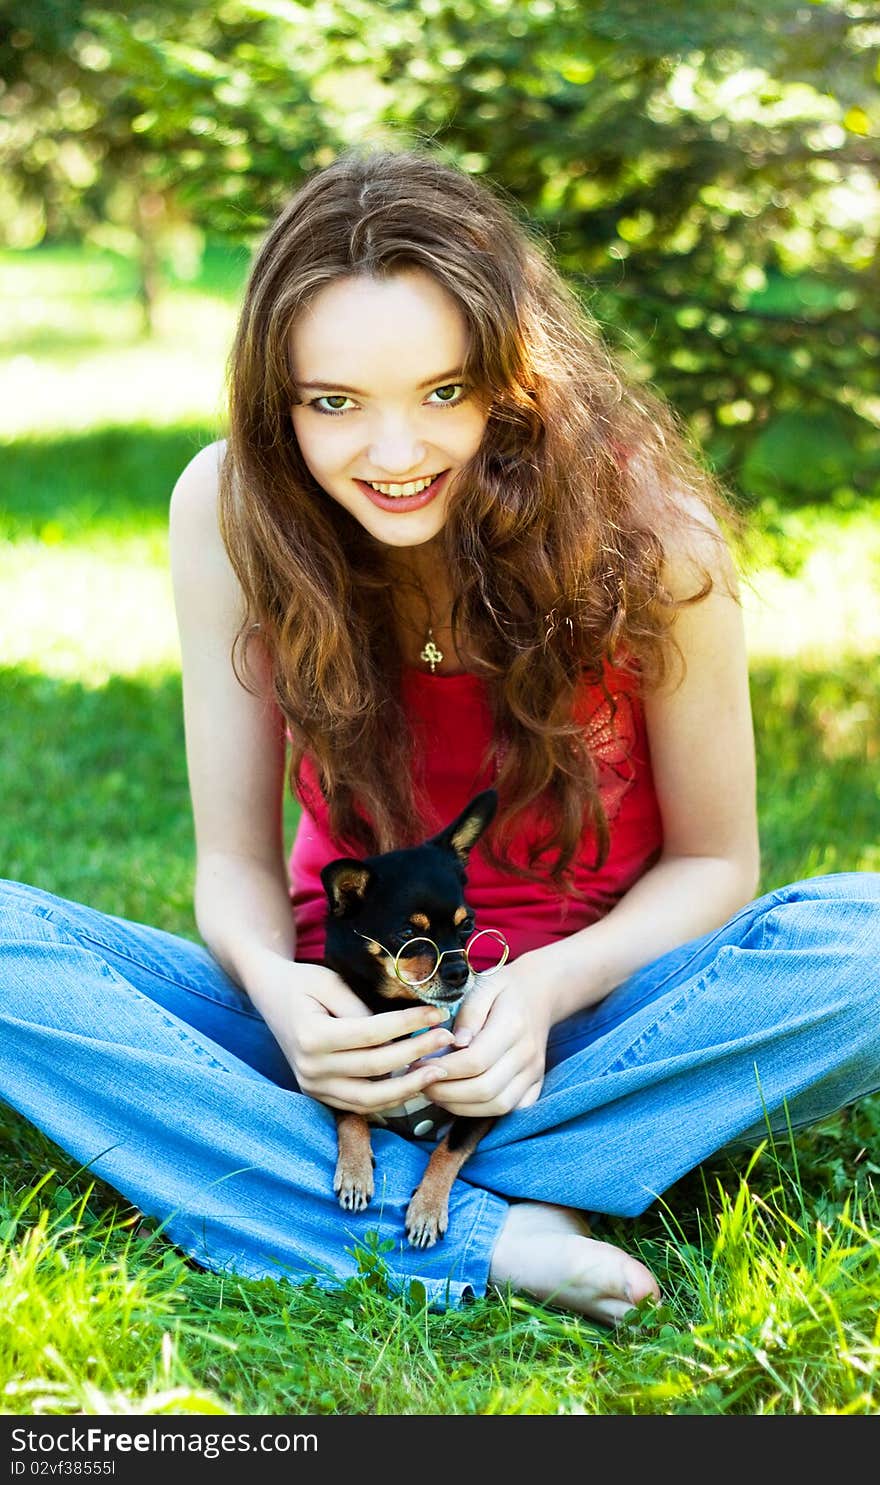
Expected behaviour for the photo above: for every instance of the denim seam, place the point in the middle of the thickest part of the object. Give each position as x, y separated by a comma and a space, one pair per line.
478, 1231
48, 916
795, 1128
693, 988
179, 983
202, 1055
779, 900
775, 899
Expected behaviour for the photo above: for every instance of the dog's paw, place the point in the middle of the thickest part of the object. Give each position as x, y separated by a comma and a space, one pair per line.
426, 1221
353, 1184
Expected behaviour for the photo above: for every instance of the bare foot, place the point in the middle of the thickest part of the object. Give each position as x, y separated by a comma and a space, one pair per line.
545, 1251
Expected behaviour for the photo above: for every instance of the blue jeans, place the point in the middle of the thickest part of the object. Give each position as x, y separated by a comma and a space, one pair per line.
136, 1054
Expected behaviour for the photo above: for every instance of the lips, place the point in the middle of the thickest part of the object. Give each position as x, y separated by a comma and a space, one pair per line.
403, 503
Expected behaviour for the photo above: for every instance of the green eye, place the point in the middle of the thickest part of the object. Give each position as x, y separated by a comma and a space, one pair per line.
452, 387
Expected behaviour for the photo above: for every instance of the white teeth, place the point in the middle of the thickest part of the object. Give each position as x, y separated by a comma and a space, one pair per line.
414, 488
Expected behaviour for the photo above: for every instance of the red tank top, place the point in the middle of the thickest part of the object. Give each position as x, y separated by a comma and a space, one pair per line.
452, 726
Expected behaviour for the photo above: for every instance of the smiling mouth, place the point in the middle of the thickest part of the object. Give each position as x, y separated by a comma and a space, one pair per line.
399, 492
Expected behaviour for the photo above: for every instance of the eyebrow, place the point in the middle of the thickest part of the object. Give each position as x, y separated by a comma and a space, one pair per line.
432, 381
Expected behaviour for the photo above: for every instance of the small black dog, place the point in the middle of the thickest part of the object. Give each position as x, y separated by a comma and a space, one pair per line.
376, 906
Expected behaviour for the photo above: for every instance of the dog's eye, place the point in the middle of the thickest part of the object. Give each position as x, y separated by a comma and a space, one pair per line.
407, 931
465, 929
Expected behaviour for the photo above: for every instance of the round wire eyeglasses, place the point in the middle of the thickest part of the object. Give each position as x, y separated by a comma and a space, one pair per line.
425, 952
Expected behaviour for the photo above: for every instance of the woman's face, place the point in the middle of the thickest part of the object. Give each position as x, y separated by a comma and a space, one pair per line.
376, 369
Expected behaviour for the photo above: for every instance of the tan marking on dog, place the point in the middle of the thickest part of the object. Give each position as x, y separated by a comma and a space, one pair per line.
353, 1180
427, 1215
391, 988
467, 833
459, 915
420, 920
417, 967
350, 881
374, 948
353, 879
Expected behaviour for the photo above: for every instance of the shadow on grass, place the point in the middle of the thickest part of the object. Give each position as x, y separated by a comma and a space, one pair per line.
98, 777
101, 800
109, 479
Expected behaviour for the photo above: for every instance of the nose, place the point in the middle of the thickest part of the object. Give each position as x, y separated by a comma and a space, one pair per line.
396, 452
454, 972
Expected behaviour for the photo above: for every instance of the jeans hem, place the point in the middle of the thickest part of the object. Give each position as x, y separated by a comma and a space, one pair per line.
441, 1294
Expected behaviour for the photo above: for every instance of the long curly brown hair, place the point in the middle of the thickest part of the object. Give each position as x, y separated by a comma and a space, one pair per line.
556, 532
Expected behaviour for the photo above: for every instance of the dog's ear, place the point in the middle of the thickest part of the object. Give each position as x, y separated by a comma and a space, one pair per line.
464, 832
345, 882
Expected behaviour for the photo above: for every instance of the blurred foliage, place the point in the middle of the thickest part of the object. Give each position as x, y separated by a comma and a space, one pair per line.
105, 117
705, 175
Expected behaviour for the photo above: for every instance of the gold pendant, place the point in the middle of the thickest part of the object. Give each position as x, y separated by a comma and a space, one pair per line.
430, 654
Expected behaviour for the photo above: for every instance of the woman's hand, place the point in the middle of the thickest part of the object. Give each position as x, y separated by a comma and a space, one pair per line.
501, 1031
337, 1048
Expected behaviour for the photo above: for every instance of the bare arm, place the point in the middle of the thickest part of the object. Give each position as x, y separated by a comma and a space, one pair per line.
234, 744
235, 760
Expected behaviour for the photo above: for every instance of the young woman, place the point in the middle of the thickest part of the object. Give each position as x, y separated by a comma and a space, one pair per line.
446, 544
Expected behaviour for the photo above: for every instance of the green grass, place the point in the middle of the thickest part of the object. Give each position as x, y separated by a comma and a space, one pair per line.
769, 1264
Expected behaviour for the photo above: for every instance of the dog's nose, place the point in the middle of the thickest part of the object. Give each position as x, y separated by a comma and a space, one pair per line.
454, 972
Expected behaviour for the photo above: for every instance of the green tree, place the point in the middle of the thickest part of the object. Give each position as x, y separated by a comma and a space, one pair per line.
705, 176
106, 118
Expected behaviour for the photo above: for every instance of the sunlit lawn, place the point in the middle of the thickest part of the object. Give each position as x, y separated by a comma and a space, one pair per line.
763, 1312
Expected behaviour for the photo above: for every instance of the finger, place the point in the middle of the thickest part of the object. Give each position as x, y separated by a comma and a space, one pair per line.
473, 1014
385, 1093
471, 1108
486, 1051
376, 1062
507, 1074
531, 1095
327, 992
347, 1033
339, 1000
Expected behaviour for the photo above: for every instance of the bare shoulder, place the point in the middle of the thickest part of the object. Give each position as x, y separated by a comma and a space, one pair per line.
193, 504
199, 560
207, 594
696, 553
